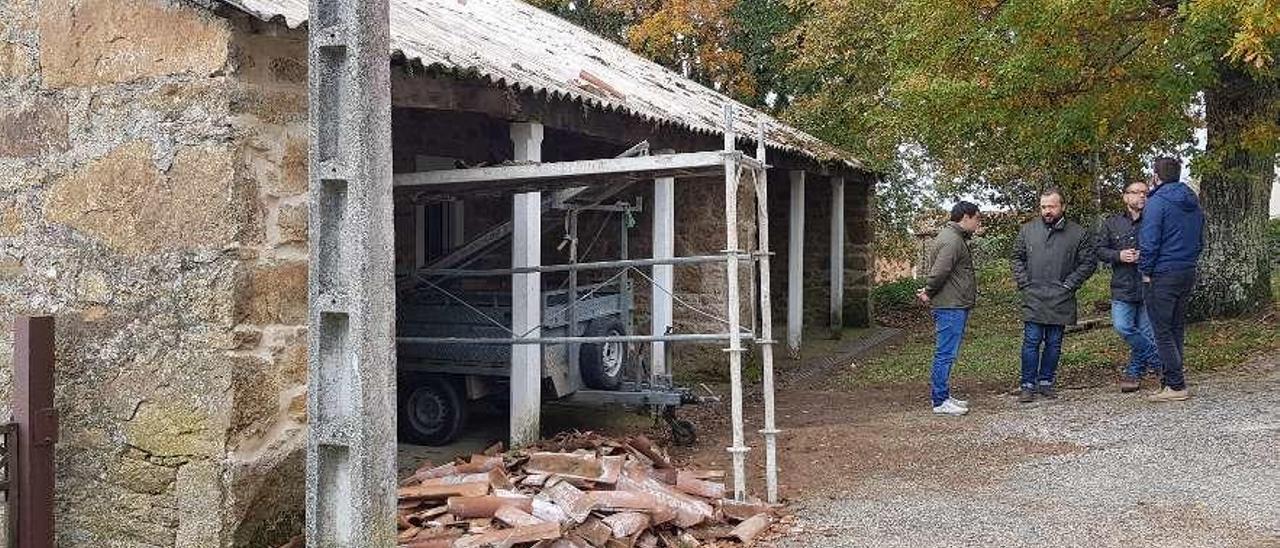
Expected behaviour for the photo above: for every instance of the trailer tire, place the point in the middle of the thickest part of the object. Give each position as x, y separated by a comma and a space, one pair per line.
431, 410
602, 364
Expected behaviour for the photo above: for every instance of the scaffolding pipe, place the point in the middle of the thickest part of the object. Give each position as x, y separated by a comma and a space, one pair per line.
770, 430
675, 337
574, 373
577, 267
738, 451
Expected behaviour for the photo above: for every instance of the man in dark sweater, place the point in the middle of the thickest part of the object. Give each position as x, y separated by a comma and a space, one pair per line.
1052, 258
1169, 242
1117, 246
951, 289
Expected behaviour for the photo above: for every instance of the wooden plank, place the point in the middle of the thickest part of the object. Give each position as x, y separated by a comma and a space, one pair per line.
510, 537
515, 517
626, 524
487, 506
686, 483
441, 492
747, 531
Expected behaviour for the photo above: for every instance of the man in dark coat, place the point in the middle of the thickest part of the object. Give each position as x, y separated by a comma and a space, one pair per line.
1169, 242
1118, 246
1052, 258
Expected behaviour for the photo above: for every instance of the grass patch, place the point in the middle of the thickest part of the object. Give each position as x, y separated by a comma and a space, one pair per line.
992, 342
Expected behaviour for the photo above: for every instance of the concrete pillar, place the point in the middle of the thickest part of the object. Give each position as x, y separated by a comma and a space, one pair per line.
351, 437
457, 224
795, 266
664, 233
837, 257
419, 235
526, 295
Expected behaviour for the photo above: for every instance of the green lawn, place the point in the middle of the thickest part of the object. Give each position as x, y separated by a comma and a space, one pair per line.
990, 352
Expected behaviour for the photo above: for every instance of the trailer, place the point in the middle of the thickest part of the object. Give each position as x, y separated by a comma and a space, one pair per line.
445, 366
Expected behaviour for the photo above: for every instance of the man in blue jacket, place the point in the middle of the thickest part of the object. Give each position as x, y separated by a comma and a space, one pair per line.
1170, 239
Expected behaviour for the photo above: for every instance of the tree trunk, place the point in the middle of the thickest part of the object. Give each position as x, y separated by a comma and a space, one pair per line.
1235, 190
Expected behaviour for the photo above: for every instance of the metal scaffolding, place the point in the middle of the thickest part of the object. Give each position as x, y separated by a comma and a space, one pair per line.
732, 165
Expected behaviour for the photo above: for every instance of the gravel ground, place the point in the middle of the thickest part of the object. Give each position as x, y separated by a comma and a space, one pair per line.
1094, 468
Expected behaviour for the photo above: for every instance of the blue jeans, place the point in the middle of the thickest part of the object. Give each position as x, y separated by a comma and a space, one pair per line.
949, 326
1040, 367
1131, 321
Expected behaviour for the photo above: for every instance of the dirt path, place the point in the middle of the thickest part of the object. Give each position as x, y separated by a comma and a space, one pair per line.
1095, 468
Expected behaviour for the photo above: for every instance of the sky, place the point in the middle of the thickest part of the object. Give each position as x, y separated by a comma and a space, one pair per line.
1275, 193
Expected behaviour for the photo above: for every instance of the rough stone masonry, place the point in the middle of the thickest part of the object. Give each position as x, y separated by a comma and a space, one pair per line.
153, 199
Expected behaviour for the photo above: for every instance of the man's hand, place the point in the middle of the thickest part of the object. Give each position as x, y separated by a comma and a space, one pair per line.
1129, 256
922, 295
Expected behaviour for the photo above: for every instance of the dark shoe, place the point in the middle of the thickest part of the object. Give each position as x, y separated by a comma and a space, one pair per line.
1026, 395
1047, 391
1129, 384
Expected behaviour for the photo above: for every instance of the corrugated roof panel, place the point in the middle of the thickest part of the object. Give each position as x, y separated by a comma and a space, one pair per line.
511, 42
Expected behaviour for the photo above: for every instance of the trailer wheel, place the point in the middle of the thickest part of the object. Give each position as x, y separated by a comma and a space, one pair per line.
602, 364
431, 410
683, 433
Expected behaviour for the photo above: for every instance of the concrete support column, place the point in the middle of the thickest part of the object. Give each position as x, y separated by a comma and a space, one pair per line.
837, 257
795, 266
664, 231
351, 439
419, 235
526, 295
457, 224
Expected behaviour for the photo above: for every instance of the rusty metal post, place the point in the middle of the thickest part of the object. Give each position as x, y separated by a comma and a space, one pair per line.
10, 466
37, 422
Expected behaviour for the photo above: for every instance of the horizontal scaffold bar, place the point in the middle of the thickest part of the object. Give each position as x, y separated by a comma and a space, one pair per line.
683, 337
598, 265
550, 175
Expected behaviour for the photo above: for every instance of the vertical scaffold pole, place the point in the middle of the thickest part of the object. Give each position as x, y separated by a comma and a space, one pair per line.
739, 449
767, 343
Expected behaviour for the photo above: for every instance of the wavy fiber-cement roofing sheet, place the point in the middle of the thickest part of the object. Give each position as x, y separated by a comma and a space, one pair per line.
515, 44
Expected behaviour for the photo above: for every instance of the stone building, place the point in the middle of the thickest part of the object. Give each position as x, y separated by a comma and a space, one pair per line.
153, 198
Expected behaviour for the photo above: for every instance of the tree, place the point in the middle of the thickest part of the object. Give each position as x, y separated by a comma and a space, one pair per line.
1242, 111
1006, 96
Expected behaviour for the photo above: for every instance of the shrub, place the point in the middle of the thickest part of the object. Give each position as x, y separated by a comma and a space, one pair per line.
991, 248
898, 294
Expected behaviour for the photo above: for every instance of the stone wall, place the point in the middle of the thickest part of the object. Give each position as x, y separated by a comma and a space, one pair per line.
700, 289
153, 199
817, 250
123, 215
267, 434
153, 184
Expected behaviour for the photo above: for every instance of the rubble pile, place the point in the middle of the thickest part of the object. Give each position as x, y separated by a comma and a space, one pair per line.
579, 490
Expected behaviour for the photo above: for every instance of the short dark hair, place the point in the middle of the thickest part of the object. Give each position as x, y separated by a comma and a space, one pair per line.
1168, 169
963, 209
1136, 182
1053, 191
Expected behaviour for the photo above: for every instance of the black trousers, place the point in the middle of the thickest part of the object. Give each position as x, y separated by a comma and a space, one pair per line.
1166, 299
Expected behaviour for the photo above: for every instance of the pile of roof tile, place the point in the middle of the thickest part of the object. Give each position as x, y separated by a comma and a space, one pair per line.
579, 490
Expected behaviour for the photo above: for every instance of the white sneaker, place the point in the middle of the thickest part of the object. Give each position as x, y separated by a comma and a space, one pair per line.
960, 403
949, 407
